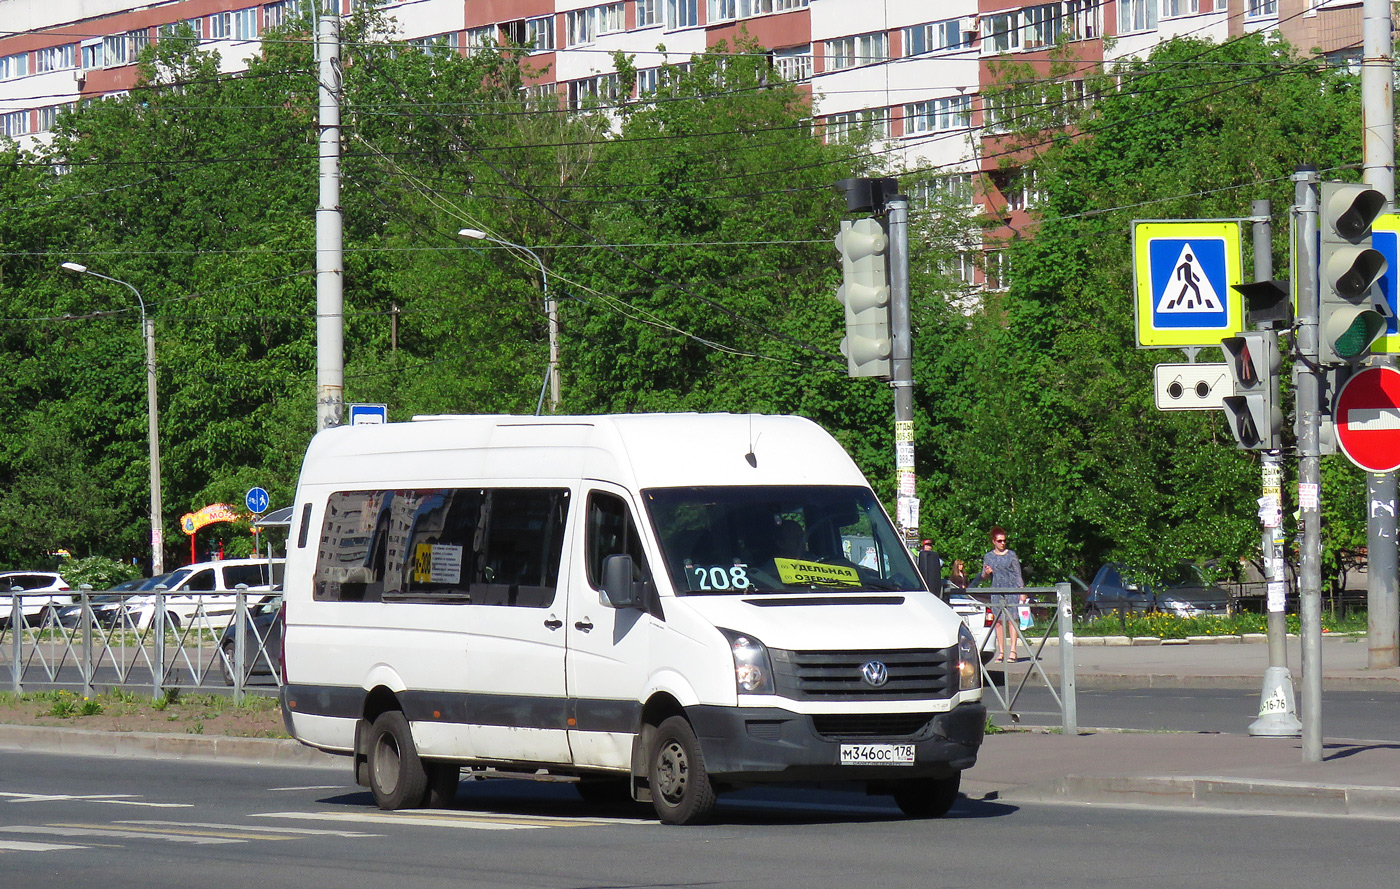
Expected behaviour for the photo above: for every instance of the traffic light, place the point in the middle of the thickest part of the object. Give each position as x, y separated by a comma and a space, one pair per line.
1252, 408
865, 292
1347, 271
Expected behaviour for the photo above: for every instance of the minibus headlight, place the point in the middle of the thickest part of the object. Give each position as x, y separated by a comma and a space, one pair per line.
969, 660
753, 670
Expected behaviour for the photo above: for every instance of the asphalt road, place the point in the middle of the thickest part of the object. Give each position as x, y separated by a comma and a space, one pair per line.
137, 824
1369, 715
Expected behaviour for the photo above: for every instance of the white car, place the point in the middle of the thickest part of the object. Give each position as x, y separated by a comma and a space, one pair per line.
979, 618
54, 589
205, 592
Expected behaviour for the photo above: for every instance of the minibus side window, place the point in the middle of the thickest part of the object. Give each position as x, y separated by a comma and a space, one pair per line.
611, 531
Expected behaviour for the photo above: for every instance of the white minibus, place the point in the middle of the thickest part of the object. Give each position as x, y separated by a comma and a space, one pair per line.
656, 606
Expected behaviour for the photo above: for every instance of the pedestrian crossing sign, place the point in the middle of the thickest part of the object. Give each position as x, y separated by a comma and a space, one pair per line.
1385, 237
1183, 277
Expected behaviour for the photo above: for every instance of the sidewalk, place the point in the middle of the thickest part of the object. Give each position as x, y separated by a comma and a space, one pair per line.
1189, 769
1196, 769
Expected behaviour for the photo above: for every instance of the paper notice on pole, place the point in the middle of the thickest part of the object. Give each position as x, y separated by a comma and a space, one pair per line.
1270, 515
906, 483
908, 512
1307, 497
1276, 591
904, 430
1277, 702
904, 454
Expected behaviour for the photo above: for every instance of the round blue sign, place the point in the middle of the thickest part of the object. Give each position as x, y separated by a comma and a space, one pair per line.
257, 500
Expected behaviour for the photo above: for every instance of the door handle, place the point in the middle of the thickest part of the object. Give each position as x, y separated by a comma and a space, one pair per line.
584, 625
553, 623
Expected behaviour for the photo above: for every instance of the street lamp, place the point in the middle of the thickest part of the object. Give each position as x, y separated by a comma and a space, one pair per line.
148, 328
552, 370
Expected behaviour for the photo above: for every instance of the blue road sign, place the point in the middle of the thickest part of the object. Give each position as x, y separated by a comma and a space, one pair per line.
1184, 272
256, 500
1385, 237
359, 414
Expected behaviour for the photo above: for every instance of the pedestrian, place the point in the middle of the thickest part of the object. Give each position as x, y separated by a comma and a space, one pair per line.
1001, 569
958, 576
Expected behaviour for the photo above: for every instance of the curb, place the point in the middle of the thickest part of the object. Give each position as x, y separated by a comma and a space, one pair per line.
1126, 681
1214, 793
159, 745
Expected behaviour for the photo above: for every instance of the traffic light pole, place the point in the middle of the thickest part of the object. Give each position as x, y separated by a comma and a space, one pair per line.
1309, 399
1378, 148
902, 367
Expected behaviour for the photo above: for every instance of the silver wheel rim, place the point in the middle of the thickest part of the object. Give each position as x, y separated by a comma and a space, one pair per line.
386, 764
672, 770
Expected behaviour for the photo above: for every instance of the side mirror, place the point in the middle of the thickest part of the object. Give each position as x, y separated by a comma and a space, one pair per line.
618, 587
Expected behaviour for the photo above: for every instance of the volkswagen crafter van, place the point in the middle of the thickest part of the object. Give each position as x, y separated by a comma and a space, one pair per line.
660, 607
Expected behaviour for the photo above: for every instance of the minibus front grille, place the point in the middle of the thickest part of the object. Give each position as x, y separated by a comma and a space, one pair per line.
918, 673
870, 725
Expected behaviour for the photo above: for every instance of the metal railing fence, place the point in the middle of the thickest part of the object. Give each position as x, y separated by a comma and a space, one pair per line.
1002, 689
160, 640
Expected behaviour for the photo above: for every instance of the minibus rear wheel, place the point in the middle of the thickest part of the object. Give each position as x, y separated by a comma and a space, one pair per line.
681, 790
396, 774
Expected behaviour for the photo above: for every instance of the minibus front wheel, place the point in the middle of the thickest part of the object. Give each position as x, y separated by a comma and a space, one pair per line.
396, 774
681, 790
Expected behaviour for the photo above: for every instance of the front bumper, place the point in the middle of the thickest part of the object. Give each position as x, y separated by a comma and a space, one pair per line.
751, 745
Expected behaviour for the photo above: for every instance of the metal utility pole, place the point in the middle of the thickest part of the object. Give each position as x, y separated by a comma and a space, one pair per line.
148, 330
902, 367
1309, 398
1277, 713
330, 259
1378, 148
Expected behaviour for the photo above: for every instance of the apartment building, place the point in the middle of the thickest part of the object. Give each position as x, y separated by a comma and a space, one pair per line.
916, 71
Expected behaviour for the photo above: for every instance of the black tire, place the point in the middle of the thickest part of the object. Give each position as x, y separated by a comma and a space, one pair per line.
443, 778
681, 790
226, 662
609, 792
927, 797
396, 774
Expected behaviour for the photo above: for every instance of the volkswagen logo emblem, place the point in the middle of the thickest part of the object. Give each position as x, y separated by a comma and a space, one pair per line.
875, 673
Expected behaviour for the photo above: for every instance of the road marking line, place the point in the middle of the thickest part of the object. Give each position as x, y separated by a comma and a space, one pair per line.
305, 831
67, 830
312, 787
113, 799
174, 828
21, 846
464, 820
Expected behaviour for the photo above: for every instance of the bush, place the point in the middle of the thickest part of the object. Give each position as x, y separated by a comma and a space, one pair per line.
99, 571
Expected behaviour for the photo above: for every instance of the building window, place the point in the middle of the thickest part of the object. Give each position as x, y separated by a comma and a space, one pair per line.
14, 124
1020, 187
1174, 8
937, 36
277, 15
16, 65
793, 65
189, 29
995, 277
1081, 21
1261, 8
92, 54
1137, 15
245, 24
1001, 33
539, 33
648, 80
682, 14
48, 116
220, 25
591, 92
953, 189
437, 44
648, 13
938, 114
479, 37
1040, 25
721, 10
862, 49
55, 58
874, 122
124, 49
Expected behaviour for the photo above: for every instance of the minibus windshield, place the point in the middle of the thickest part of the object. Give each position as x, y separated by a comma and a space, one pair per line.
780, 538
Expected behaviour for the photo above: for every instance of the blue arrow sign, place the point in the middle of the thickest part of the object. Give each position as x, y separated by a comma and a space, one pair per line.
256, 500
1385, 237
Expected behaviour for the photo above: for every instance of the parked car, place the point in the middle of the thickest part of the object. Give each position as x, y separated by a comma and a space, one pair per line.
979, 619
204, 588
42, 589
107, 605
1183, 591
263, 644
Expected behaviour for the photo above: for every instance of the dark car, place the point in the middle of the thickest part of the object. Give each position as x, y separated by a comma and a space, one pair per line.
107, 606
263, 644
1183, 590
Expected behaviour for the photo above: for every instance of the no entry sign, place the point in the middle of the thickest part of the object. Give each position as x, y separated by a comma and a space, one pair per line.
1368, 419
